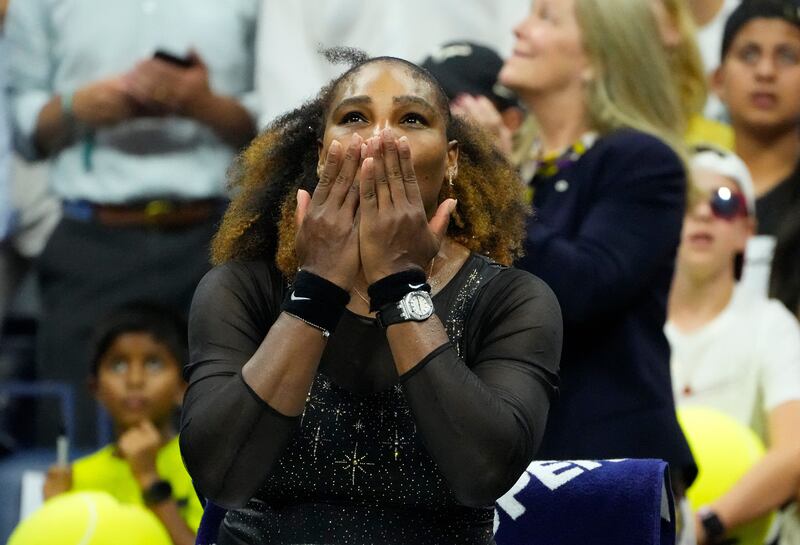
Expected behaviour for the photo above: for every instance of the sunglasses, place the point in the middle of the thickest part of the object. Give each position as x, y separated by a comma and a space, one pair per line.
727, 204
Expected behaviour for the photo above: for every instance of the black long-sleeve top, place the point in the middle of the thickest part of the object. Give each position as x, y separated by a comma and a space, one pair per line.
374, 457
604, 237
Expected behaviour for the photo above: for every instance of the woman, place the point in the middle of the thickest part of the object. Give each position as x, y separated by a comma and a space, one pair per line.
609, 191
307, 418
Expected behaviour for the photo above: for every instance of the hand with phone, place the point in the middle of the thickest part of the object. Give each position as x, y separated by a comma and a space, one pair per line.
168, 84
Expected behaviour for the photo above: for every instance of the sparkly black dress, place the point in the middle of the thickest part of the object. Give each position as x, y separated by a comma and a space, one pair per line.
374, 458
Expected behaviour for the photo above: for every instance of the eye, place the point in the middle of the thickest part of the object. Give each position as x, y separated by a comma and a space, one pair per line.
352, 117
788, 56
414, 119
118, 366
154, 364
749, 54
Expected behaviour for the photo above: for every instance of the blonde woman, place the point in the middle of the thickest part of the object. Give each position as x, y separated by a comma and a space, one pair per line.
609, 195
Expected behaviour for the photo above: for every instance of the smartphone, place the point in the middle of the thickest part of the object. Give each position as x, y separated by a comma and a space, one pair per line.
166, 56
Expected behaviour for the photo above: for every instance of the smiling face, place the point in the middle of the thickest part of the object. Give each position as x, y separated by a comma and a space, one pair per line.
760, 76
389, 94
138, 378
709, 244
548, 54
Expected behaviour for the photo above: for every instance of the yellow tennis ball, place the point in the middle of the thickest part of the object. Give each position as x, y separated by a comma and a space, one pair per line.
724, 451
90, 518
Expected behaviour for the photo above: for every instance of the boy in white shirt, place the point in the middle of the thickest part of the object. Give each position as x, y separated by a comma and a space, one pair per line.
734, 351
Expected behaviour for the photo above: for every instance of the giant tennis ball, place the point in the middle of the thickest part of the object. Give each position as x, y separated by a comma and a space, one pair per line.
90, 518
724, 451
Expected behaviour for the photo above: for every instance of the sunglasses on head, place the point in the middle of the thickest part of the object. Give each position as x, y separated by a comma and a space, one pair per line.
727, 204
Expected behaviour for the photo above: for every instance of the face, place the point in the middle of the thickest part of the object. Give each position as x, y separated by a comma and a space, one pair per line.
710, 243
760, 75
138, 379
386, 94
548, 54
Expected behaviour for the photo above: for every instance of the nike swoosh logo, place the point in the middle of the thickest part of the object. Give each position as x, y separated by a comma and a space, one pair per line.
415, 286
296, 298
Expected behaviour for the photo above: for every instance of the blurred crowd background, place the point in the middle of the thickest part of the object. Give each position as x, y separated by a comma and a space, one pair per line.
120, 121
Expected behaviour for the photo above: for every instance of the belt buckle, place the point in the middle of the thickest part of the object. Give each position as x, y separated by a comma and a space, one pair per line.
157, 209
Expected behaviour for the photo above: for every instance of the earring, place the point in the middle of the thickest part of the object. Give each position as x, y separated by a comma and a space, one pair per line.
450, 177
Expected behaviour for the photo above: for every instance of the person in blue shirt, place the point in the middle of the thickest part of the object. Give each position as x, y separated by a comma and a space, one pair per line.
139, 108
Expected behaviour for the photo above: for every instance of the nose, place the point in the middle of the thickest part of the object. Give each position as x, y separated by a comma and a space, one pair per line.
701, 211
136, 375
765, 67
376, 130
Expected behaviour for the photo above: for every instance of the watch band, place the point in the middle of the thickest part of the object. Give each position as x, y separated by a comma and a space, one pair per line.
157, 492
713, 526
400, 311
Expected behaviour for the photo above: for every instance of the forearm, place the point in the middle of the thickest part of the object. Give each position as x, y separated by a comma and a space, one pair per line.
475, 436
226, 116
53, 130
235, 428
769, 484
169, 515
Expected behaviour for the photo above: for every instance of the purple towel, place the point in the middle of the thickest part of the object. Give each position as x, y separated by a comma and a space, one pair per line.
606, 502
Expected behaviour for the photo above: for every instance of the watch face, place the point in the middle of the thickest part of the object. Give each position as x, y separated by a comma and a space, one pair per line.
419, 305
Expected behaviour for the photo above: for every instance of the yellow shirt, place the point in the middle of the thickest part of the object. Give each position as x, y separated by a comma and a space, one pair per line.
104, 471
708, 131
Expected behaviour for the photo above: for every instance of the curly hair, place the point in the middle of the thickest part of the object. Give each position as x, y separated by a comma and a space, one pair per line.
259, 223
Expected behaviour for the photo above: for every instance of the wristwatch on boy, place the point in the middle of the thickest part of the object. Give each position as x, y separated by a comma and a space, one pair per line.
416, 306
713, 526
157, 492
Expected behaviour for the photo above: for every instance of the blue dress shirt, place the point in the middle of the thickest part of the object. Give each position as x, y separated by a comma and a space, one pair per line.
58, 46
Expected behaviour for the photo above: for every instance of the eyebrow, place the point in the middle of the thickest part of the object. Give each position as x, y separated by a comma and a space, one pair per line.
402, 100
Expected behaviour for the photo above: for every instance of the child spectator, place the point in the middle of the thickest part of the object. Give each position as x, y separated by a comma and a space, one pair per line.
758, 80
735, 351
139, 352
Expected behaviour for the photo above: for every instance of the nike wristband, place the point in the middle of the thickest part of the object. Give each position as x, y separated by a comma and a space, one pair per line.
394, 287
318, 302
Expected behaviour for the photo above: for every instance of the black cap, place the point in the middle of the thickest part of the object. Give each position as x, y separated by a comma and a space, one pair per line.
466, 67
787, 10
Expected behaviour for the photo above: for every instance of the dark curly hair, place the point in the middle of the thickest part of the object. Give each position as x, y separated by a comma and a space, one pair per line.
259, 223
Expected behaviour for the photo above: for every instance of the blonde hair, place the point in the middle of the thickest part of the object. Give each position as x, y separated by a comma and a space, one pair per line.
685, 59
632, 84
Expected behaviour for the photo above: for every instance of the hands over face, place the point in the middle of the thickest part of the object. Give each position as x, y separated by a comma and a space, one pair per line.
394, 232
378, 225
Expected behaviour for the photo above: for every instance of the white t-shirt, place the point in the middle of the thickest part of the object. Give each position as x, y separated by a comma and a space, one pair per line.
745, 362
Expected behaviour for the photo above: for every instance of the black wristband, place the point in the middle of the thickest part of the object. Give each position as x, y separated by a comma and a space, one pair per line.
316, 301
157, 492
713, 526
392, 288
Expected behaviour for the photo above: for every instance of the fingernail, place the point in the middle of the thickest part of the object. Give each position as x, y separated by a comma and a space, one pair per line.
334, 147
403, 139
354, 139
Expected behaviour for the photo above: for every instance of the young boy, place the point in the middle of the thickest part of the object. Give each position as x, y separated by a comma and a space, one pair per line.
758, 80
733, 350
136, 376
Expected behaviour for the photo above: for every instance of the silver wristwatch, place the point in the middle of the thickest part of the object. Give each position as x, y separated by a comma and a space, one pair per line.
416, 306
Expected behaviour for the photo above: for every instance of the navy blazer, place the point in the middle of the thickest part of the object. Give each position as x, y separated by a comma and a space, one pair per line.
604, 237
